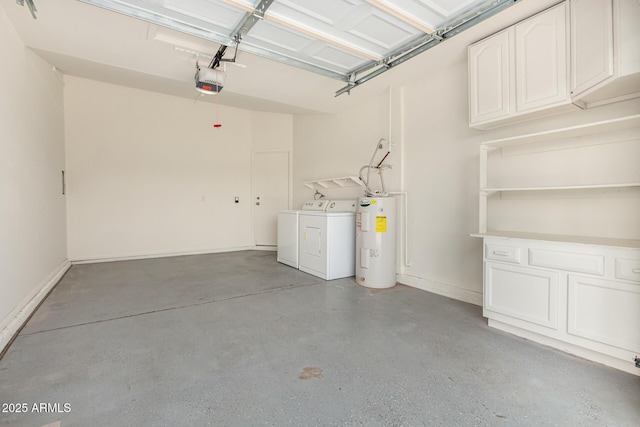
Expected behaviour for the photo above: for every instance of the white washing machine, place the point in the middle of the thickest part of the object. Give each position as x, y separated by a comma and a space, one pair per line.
327, 240
288, 228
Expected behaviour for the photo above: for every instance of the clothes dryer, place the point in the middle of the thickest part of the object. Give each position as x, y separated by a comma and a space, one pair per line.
327, 240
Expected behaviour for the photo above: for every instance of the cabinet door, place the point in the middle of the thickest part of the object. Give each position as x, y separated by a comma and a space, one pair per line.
605, 311
591, 43
489, 78
541, 60
523, 293
626, 19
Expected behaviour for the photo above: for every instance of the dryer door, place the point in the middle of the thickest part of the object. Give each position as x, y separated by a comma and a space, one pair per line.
313, 245
312, 236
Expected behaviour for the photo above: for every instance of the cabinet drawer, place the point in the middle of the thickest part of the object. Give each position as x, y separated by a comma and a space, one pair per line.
503, 253
568, 261
628, 269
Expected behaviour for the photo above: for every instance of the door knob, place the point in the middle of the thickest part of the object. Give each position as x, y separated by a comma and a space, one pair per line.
257, 203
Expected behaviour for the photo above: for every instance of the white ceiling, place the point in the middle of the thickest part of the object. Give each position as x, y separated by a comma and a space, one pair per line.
338, 36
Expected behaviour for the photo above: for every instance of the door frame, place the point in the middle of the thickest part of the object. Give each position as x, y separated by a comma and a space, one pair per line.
253, 189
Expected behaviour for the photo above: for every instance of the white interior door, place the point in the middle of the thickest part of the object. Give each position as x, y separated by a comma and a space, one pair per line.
270, 194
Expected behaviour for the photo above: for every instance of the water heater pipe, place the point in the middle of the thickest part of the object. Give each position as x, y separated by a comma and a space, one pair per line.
405, 233
380, 167
378, 147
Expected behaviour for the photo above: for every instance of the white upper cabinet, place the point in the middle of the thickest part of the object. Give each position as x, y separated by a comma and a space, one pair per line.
541, 60
520, 71
489, 75
605, 53
591, 43
578, 53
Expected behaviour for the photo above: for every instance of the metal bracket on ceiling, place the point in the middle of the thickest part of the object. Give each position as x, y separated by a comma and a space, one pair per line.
437, 35
30, 5
426, 43
351, 82
262, 7
251, 19
215, 62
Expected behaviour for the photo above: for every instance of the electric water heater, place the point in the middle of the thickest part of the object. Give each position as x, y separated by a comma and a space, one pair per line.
376, 242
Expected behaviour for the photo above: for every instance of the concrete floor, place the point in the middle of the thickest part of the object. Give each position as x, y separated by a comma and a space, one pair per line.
238, 339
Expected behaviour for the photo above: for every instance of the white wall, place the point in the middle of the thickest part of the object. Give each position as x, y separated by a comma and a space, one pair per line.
332, 146
440, 168
148, 174
441, 177
32, 207
271, 131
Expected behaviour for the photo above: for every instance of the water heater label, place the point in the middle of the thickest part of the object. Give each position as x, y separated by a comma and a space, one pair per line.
381, 224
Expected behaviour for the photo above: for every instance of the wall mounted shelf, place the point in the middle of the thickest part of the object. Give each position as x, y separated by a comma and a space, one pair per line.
561, 188
618, 123
583, 240
345, 181
600, 127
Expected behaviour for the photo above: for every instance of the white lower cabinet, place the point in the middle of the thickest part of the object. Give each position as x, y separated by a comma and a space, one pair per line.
604, 312
580, 298
522, 293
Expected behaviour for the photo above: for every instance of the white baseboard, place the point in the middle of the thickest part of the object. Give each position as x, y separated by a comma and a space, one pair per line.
21, 314
157, 255
585, 353
443, 289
